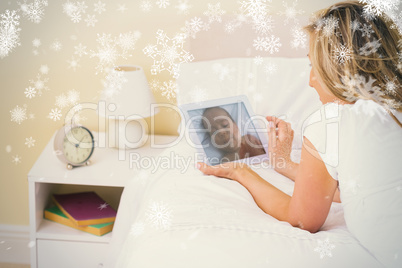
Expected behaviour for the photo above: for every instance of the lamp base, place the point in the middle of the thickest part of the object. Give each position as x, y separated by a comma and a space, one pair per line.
127, 135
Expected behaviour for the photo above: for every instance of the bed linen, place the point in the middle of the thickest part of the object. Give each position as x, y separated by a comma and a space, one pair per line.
178, 217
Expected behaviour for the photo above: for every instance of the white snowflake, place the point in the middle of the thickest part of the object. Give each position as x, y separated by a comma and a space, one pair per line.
159, 215
194, 26
167, 56
61, 101
355, 25
108, 51
255, 9
162, 3
36, 42
30, 142
34, 12
113, 84
137, 228
366, 30
263, 25
16, 159
56, 45
183, 7
128, 40
258, 60
73, 63
342, 54
299, 38
330, 25
391, 86
91, 20
18, 114
168, 89
73, 96
270, 44
103, 206
9, 32
40, 84
80, 50
146, 6
30, 92
270, 68
324, 248
214, 12
100, 7
370, 47
55, 114
81, 6
74, 10
44, 69
122, 8
230, 27
76, 17
290, 12
378, 7
224, 71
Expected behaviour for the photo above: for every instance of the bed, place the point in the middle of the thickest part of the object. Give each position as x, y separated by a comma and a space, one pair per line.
178, 217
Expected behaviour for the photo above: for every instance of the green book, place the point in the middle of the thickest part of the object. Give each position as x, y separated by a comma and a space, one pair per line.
56, 215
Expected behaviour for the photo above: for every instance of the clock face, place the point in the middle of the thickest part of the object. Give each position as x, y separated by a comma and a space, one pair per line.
78, 145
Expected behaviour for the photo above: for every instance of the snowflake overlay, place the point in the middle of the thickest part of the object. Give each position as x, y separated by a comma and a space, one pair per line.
342, 54
111, 48
18, 114
270, 44
214, 12
299, 38
30, 142
167, 57
167, 89
324, 248
34, 12
9, 32
16, 159
159, 215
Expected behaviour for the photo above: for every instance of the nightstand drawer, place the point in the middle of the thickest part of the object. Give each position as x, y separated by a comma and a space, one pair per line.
67, 254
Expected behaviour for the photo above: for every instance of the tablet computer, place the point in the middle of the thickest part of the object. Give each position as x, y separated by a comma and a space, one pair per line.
226, 130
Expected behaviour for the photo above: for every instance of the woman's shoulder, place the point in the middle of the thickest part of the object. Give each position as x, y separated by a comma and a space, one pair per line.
368, 111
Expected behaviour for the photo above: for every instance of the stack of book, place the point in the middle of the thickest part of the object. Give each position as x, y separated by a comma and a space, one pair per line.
85, 211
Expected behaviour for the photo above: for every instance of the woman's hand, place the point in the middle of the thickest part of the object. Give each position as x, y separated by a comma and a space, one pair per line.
229, 170
280, 138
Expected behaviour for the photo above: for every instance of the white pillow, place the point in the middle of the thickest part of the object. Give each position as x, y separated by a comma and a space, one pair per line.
277, 86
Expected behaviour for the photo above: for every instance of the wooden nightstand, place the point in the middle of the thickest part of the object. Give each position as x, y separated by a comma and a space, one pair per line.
55, 245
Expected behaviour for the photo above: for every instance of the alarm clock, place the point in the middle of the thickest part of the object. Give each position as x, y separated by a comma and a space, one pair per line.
74, 145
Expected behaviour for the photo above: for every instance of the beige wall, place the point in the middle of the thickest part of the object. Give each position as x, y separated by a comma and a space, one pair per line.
21, 66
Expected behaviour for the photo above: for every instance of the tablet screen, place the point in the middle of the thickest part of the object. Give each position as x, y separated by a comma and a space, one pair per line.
226, 131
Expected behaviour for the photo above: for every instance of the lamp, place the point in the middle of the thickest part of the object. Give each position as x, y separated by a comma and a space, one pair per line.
128, 101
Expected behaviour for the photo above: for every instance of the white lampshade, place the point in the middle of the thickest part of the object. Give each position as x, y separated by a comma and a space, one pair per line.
128, 101
127, 88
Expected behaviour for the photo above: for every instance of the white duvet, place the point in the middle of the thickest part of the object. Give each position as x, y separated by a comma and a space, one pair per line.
182, 218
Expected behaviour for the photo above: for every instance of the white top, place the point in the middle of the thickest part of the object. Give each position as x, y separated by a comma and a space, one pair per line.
361, 146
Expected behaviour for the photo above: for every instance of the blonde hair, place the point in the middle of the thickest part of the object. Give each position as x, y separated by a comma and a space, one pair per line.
356, 55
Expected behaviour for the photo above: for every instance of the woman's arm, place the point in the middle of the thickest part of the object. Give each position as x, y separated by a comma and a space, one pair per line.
313, 192
312, 197
280, 147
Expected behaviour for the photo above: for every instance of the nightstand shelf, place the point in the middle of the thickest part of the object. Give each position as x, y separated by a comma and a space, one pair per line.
56, 245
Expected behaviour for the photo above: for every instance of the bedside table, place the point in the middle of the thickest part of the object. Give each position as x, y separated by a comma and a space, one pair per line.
55, 245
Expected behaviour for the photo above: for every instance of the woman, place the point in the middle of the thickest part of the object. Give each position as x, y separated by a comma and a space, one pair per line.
353, 143
225, 136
